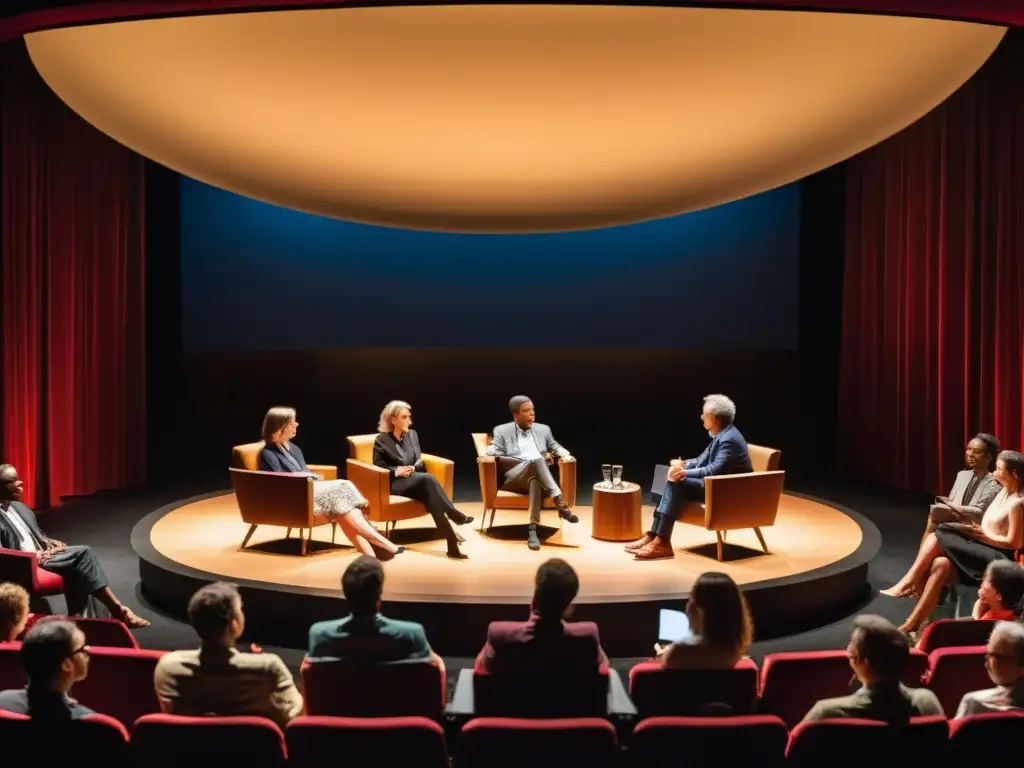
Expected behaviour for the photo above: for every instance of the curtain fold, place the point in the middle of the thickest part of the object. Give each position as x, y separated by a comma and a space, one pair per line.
72, 203
933, 293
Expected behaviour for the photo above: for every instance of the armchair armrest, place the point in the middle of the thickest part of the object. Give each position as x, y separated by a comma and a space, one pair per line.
748, 500
374, 483
326, 471
273, 498
443, 469
19, 568
567, 480
487, 468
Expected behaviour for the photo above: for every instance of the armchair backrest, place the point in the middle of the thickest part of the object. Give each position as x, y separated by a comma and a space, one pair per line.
247, 456
360, 447
480, 441
742, 501
764, 459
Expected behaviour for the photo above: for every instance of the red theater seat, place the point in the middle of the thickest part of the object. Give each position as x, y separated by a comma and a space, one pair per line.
385, 741
832, 743
658, 691
171, 741
794, 681
99, 633
566, 695
396, 689
972, 737
94, 740
953, 633
756, 740
954, 672
22, 568
120, 683
501, 742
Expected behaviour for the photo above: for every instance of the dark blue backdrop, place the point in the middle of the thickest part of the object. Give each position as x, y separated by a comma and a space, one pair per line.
256, 276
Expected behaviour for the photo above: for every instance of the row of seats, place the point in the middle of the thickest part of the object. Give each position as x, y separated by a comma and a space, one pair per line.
120, 684
416, 742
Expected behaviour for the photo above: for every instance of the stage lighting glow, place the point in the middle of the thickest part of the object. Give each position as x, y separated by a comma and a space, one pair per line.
507, 118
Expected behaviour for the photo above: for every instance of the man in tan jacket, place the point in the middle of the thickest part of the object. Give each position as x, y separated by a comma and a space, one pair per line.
218, 679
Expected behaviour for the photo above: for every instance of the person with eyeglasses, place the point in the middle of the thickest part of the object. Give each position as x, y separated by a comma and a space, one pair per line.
55, 657
1004, 662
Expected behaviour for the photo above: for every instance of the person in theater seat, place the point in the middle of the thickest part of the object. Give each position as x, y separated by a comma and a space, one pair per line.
218, 679
524, 450
721, 625
334, 500
55, 657
14, 611
397, 449
1000, 593
545, 645
1004, 660
727, 454
77, 565
879, 654
974, 487
366, 635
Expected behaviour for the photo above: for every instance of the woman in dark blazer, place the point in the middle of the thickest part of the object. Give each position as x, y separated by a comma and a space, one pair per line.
397, 449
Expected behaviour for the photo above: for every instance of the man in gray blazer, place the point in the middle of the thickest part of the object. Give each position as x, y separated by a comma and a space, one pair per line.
525, 450
974, 487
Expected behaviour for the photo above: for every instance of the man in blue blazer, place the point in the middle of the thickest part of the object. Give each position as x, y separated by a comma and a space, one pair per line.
726, 455
366, 635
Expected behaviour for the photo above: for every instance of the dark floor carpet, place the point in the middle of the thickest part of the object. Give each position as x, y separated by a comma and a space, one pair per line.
105, 521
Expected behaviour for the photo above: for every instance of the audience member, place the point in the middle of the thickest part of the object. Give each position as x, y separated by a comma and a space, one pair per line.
1000, 593
13, 611
77, 565
55, 657
974, 488
366, 635
879, 654
545, 644
1004, 660
218, 679
721, 625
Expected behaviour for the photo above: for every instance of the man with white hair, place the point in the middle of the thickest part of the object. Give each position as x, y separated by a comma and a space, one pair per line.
1004, 660
726, 455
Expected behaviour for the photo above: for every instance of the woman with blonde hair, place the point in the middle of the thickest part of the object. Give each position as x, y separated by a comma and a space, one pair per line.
397, 449
333, 500
14, 613
721, 624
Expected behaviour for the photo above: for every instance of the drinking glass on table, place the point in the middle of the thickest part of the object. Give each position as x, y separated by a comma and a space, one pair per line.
606, 472
616, 475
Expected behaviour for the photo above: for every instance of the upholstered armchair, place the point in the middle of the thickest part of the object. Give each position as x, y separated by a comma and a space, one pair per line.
748, 500
273, 498
374, 483
495, 499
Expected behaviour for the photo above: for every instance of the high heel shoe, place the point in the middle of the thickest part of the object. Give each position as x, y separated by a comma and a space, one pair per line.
455, 554
400, 550
464, 520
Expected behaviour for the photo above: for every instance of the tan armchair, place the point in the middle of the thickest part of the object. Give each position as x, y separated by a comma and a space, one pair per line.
374, 483
748, 500
495, 499
269, 498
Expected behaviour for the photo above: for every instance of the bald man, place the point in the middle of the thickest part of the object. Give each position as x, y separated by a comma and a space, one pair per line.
525, 451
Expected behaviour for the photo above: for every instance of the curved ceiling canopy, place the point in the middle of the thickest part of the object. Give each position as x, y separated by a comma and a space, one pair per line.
507, 118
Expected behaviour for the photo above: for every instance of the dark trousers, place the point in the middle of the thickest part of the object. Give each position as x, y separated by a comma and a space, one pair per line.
531, 477
424, 488
82, 573
677, 495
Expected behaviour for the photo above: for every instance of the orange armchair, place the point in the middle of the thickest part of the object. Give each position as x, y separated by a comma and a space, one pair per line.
270, 498
495, 499
748, 500
374, 483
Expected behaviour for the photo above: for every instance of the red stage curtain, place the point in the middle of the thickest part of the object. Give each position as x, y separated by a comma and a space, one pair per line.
933, 306
73, 313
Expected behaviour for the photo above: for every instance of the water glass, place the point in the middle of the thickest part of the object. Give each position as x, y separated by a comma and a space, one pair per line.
606, 471
616, 475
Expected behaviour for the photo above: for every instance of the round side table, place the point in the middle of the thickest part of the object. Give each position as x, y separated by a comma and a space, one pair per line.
617, 513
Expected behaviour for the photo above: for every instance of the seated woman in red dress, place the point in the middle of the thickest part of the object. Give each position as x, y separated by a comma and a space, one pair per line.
964, 550
1000, 593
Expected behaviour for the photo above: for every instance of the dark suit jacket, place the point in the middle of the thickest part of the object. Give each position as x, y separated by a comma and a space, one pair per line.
273, 459
385, 452
46, 707
9, 538
539, 647
367, 639
727, 455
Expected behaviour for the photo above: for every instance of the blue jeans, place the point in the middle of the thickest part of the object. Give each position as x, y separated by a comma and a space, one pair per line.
676, 496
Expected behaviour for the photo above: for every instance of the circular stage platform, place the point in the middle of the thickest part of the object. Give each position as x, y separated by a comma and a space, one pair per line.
818, 565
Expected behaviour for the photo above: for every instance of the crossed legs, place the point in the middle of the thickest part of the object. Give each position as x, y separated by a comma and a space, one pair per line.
939, 576
913, 581
363, 535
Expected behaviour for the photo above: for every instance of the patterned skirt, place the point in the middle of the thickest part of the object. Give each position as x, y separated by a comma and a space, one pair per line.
335, 498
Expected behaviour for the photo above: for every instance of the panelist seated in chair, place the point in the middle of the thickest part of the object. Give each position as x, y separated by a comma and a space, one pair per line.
397, 449
726, 455
525, 450
77, 565
337, 501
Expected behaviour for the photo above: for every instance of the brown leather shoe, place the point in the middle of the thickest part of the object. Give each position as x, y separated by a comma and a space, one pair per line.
656, 550
640, 543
